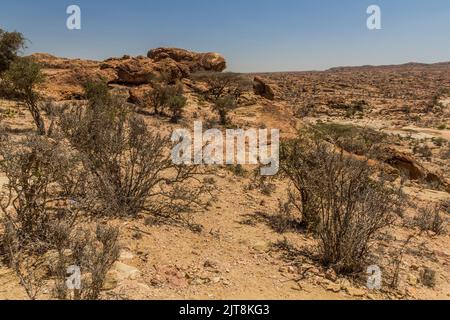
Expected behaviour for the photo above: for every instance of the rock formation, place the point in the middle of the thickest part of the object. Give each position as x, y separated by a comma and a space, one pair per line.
65, 77
262, 88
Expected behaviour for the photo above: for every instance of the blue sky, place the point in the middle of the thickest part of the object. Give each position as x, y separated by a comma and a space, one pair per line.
254, 35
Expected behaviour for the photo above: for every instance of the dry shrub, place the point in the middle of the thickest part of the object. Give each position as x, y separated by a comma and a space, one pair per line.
42, 220
33, 199
166, 96
428, 277
429, 219
94, 252
340, 199
129, 165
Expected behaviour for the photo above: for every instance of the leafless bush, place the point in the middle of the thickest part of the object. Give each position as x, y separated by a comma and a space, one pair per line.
445, 205
397, 262
26, 265
340, 199
428, 277
130, 165
33, 168
429, 219
94, 253
39, 216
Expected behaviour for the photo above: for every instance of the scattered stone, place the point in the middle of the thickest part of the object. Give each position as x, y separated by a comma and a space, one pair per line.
334, 288
354, 292
226, 283
110, 282
126, 255
412, 280
216, 279
291, 269
210, 264
371, 296
261, 246
124, 271
283, 269
331, 275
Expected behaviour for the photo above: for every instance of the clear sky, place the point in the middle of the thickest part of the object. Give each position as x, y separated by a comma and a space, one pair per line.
254, 35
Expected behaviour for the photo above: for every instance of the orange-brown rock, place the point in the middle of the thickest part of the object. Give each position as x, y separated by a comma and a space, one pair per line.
65, 77
137, 95
188, 60
413, 170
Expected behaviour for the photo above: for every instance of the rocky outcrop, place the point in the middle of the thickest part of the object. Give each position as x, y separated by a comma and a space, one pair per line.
189, 61
411, 169
262, 88
65, 77
138, 95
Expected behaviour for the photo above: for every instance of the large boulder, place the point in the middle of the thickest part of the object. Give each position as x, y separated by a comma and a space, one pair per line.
191, 60
411, 169
138, 95
136, 72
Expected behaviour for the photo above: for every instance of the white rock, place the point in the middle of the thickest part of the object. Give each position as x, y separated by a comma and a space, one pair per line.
125, 272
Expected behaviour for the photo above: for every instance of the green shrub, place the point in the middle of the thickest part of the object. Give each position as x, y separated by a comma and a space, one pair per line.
10, 44
21, 79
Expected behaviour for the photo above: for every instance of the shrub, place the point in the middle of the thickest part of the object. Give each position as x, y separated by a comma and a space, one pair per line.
39, 216
423, 150
33, 168
222, 84
439, 141
162, 96
21, 79
176, 106
130, 166
223, 106
237, 170
339, 199
428, 277
94, 253
429, 219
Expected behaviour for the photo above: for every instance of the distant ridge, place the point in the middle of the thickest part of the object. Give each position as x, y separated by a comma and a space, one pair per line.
409, 65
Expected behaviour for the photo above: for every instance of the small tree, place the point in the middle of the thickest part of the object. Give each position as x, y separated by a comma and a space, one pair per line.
176, 106
223, 106
33, 168
161, 94
10, 44
21, 79
223, 90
